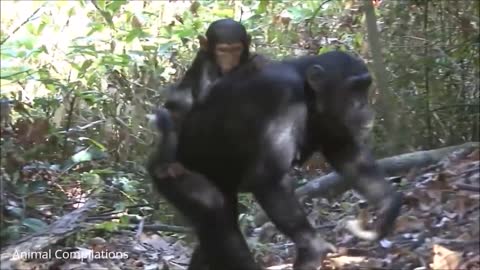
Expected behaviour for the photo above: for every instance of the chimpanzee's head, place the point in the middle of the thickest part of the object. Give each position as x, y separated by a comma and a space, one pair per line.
227, 43
343, 98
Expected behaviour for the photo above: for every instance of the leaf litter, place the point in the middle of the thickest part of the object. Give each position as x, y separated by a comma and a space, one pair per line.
438, 229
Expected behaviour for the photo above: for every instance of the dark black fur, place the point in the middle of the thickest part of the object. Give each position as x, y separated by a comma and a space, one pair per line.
246, 135
193, 88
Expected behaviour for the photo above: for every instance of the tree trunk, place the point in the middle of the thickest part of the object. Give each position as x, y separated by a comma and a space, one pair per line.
387, 104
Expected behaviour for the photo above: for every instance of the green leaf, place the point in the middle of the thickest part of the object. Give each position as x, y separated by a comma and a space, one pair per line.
133, 34
300, 14
101, 4
21, 188
109, 226
115, 5
262, 7
185, 33
60, 4
46, 19
97, 144
86, 64
358, 40
75, 66
44, 74
325, 49
92, 79
88, 154
120, 206
71, 12
27, 42
34, 224
15, 211
82, 156
106, 171
31, 28
108, 17
16, 73
95, 27
124, 219
83, 49
8, 52
21, 54
165, 48
116, 60
11, 232
91, 179
125, 183
91, 97
44, 49
39, 50
50, 87
229, 12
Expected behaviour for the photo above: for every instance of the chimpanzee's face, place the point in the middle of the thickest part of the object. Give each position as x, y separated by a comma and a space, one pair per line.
346, 101
228, 55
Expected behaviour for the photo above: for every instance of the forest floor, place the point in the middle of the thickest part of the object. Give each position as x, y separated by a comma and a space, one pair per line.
438, 229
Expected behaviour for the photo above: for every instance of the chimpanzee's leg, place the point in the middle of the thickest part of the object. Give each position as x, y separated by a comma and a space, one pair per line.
267, 179
224, 241
280, 204
211, 213
198, 260
353, 160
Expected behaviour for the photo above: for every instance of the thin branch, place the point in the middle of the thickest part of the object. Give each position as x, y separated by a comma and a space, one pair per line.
22, 24
315, 13
105, 14
467, 187
427, 79
450, 106
29, 72
69, 123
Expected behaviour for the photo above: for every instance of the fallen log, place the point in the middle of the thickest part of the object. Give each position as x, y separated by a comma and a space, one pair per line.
58, 230
332, 185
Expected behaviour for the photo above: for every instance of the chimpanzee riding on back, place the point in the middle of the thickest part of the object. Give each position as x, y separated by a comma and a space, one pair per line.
223, 50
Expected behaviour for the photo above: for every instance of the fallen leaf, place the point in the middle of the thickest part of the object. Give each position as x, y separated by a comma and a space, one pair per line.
408, 223
155, 241
445, 259
361, 262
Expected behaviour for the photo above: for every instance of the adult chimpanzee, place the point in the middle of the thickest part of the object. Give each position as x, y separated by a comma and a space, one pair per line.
224, 49
249, 131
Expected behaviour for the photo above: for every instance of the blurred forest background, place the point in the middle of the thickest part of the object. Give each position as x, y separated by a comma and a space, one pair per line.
79, 77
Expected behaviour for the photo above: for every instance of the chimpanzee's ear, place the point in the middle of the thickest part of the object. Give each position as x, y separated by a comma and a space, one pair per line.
316, 77
203, 42
249, 39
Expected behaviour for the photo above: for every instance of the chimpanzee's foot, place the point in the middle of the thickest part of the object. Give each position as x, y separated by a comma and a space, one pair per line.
311, 252
389, 211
